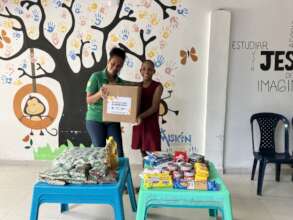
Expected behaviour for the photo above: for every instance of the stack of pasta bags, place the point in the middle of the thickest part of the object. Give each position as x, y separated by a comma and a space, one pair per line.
86, 165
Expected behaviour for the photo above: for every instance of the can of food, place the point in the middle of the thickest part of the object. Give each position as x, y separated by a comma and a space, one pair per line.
189, 175
185, 166
172, 166
177, 174
196, 158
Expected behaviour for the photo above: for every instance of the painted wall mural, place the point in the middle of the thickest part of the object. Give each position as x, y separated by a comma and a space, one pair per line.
65, 41
34, 113
184, 54
164, 108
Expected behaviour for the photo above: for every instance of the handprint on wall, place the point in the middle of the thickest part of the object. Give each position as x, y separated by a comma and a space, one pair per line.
98, 19
50, 27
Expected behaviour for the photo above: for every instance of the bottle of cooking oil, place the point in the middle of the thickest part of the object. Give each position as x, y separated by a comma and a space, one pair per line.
111, 146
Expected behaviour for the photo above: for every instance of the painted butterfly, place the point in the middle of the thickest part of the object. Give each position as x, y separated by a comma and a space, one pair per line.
184, 54
4, 37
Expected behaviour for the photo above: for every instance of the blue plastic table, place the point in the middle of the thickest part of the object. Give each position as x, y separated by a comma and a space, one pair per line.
178, 198
87, 193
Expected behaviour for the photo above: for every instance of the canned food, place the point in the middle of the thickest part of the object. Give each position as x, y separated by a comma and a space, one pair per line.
185, 166
177, 175
172, 166
189, 175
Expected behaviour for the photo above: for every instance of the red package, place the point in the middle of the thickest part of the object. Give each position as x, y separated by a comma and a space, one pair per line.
180, 156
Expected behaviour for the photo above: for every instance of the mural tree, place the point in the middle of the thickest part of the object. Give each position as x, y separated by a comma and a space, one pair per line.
70, 69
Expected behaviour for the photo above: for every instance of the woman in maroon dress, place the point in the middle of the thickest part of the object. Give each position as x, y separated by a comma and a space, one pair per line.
146, 133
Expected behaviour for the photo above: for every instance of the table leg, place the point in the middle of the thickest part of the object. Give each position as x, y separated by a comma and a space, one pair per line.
131, 192
213, 212
64, 207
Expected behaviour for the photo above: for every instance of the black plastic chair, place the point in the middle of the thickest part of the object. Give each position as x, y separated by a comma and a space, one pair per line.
266, 153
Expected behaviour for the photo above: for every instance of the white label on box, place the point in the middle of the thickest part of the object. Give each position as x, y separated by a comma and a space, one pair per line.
118, 105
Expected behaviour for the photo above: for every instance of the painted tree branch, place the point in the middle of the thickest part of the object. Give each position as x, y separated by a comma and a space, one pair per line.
106, 29
127, 17
42, 22
24, 73
165, 8
142, 56
69, 8
94, 57
16, 29
41, 68
83, 43
28, 4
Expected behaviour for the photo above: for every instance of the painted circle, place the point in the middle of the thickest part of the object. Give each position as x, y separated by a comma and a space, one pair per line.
49, 96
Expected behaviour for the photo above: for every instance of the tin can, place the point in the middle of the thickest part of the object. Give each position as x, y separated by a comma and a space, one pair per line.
185, 166
177, 174
189, 175
172, 166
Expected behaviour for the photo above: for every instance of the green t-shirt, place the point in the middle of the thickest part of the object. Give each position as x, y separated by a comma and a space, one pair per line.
96, 81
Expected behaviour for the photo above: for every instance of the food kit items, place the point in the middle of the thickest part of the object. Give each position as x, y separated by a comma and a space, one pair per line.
180, 171
156, 158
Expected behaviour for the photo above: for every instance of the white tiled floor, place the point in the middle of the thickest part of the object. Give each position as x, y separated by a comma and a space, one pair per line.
16, 183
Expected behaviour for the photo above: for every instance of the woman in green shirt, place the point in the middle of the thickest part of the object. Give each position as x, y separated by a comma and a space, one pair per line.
96, 91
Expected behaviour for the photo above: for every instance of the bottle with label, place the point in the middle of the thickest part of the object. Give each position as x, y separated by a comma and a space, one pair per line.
111, 146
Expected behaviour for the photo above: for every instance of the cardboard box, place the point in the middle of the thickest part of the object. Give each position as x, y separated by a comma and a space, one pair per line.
122, 104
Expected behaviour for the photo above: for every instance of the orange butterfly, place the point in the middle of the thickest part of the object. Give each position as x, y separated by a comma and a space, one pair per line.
4, 37
188, 53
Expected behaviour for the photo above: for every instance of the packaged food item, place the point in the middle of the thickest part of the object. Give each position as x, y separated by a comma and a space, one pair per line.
180, 184
201, 185
180, 156
193, 158
200, 166
213, 186
201, 172
151, 170
190, 184
200, 178
154, 159
157, 180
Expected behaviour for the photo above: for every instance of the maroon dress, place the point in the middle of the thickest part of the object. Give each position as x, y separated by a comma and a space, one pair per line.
146, 135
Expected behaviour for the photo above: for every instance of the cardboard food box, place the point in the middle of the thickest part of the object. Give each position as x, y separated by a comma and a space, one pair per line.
122, 103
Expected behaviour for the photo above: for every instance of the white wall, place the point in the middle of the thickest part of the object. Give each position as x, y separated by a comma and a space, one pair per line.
266, 21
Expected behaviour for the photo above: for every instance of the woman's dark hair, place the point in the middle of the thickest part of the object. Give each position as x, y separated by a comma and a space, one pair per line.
116, 51
150, 62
